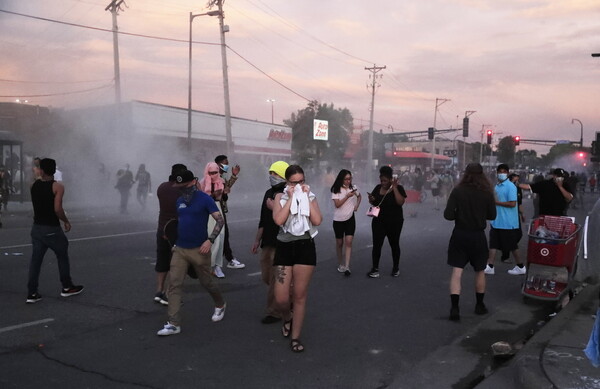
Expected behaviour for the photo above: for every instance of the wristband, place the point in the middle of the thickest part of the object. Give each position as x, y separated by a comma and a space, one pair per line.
211, 240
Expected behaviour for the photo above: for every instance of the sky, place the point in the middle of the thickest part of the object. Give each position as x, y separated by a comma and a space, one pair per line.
524, 66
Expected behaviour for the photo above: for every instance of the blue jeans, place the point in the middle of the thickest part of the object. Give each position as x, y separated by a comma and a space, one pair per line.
43, 238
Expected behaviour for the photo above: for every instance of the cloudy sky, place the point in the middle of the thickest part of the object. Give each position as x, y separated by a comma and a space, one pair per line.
523, 65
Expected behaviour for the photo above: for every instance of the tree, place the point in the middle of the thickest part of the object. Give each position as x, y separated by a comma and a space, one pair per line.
526, 159
506, 151
309, 152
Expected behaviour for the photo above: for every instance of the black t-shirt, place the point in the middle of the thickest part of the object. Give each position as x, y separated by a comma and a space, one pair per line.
470, 208
270, 229
390, 210
552, 202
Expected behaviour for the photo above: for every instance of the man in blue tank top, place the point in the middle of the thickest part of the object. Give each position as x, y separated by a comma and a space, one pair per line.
46, 233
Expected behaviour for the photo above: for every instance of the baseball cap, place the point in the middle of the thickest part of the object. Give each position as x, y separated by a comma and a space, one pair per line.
183, 177
279, 168
559, 172
177, 168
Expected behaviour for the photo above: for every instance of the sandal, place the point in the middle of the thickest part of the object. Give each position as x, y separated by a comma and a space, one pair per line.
296, 346
286, 329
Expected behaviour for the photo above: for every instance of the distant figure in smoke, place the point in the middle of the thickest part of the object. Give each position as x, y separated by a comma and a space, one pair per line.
124, 184
4, 192
142, 177
46, 233
223, 162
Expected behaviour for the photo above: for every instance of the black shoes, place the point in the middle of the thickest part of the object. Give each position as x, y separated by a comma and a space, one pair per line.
33, 298
480, 309
454, 314
71, 291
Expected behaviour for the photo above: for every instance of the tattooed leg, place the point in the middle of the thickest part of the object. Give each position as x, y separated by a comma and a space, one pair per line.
281, 273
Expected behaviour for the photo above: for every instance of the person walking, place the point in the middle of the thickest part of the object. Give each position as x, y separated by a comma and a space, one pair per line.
192, 247
167, 195
124, 184
469, 205
346, 199
389, 197
142, 177
554, 194
46, 233
505, 229
266, 238
297, 211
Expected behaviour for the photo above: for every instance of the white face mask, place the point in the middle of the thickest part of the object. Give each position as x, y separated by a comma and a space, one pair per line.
224, 168
502, 176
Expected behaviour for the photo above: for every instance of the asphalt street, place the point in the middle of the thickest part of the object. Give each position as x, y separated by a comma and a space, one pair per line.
359, 332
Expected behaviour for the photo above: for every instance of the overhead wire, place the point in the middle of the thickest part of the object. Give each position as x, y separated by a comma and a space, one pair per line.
58, 93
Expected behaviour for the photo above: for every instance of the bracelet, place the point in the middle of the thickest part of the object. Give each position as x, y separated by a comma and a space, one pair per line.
211, 240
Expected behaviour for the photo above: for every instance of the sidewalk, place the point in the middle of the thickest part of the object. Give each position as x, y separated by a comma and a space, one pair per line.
553, 357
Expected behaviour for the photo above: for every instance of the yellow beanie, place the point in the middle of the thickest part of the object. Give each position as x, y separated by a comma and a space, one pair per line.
279, 168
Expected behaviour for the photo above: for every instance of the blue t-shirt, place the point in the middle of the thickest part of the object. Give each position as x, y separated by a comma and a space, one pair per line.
506, 218
193, 220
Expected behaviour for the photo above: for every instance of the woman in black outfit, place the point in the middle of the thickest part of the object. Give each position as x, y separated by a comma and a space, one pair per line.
389, 197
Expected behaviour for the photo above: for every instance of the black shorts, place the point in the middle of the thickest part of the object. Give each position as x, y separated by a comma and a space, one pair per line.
468, 247
163, 254
347, 227
435, 192
297, 252
505, 240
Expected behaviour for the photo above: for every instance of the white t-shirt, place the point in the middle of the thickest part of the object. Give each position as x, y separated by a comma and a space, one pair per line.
346, 211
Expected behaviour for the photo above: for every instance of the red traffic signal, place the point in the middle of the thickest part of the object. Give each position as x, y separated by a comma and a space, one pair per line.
517, 140
581, 154
489, 137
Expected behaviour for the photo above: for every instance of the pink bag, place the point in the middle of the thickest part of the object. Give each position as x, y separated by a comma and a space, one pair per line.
373, 211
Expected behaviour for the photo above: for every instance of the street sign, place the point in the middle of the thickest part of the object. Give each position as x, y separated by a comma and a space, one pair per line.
450, 153
563, 142
320, 129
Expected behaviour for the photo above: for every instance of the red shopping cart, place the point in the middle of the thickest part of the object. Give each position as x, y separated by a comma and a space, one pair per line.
551, 257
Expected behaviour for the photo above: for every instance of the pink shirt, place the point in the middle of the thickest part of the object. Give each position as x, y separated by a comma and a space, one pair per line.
346, 211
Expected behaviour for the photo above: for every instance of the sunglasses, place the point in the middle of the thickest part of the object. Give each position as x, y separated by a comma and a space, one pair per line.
213, 173
297, 182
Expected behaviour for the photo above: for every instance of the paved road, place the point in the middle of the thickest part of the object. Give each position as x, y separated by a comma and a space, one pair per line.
359, 332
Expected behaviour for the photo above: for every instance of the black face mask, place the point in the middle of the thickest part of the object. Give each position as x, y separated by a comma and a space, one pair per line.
187, 193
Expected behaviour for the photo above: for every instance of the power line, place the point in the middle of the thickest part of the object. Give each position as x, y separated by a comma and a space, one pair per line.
61, 93
51, 82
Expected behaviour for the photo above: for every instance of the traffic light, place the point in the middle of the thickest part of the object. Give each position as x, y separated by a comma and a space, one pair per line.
465, 127
489, 137
581, 154
517, 140
595, 148
430, 133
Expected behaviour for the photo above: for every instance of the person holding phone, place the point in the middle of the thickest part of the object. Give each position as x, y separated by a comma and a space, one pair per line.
555, 194
389, 196
346, 199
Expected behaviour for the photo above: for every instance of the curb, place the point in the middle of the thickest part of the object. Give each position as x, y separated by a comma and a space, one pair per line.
529, 365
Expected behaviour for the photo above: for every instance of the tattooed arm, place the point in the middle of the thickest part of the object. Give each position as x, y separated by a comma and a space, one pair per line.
205, 248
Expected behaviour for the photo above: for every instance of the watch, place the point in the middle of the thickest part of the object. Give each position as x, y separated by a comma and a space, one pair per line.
211, 240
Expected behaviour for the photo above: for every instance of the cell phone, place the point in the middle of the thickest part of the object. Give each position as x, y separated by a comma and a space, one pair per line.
354, 188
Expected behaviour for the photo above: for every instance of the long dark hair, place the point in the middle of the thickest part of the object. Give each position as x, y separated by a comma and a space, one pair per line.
293, 169
339, 180
475, 178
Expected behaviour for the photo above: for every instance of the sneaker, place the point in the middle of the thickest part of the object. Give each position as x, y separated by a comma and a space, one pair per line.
217, 272
269, 319
489, 270
161, 298
481, 309
71, 291
347, 272
396, 273
516, 271
341, 269
33, 298
169, 329
374, 273
219, 313
454, 314
235, 264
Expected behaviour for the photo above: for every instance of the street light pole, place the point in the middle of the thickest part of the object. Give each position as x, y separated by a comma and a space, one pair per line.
189, 132
222, 30
581, 124
272, 110
438, 102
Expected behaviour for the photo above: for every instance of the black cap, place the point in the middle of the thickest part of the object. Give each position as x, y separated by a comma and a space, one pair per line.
177, 168
183, 177
559, 172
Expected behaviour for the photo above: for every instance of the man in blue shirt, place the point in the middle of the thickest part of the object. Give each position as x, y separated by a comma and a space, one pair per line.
505, 231
192, 247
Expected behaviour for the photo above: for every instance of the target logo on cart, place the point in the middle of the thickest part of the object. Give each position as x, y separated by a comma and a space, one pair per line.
545, 252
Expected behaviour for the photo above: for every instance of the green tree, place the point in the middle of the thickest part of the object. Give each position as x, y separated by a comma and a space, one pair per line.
526, 159
506, 151
309, 152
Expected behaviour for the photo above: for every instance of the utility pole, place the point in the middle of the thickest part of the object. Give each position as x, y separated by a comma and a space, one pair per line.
438, 102
372, 87
222, 30
467, 114
483, 126
114, 7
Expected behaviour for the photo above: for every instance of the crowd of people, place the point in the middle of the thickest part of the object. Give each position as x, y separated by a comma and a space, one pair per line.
192, 235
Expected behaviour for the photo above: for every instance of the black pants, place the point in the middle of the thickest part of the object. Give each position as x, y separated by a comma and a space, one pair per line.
227, 253
390, 229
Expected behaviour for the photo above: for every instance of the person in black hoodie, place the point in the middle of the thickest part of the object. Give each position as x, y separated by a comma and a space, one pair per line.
266, 238
470, 204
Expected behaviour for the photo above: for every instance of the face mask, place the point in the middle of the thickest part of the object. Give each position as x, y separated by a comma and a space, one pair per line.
274, 180
225, 168
187, 193
502, 176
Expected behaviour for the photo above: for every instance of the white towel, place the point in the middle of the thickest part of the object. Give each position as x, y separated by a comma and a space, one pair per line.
298, 222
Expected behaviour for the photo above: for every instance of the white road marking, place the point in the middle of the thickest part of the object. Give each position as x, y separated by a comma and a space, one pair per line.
84, 239
23, 325
254, 274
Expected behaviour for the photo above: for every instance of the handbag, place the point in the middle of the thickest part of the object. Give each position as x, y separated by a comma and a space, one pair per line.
374, 209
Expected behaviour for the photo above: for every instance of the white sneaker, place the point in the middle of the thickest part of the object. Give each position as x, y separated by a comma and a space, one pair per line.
218, 272
219, 313
517, 271
235, 264
489, 270
169, 329
341, 269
